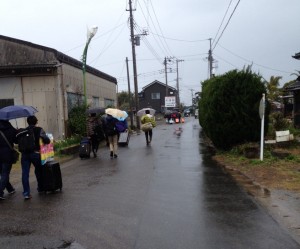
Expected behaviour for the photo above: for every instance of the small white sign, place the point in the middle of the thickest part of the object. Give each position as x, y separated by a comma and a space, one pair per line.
170, 101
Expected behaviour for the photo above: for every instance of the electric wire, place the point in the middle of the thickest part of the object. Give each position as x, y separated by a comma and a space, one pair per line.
179, 40
222, 21
108, 43
254, 63
160, 44
147, 43
95, 38
160, 27
226, 24
106, 46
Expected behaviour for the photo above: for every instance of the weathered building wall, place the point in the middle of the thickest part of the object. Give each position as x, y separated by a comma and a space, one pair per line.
42, 77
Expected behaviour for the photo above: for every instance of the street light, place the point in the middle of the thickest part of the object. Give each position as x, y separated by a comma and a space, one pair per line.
90, 34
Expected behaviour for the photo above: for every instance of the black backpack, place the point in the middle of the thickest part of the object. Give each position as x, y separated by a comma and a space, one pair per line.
98, 131
110, 128
26, 140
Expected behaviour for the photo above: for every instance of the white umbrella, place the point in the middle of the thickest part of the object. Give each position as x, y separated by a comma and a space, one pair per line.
116, 113
143, 111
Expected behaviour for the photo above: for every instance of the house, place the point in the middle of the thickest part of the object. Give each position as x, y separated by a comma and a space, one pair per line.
50, 81
292, 99
153, 95
294, 96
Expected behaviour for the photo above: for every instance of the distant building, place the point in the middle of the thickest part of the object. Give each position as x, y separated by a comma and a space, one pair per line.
153, 95
50, 81
292, 99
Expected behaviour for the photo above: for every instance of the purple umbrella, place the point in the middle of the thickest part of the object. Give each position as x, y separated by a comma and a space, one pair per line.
16, 111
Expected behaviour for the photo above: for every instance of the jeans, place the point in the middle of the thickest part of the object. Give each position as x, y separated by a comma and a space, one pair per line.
26, 160
5, 169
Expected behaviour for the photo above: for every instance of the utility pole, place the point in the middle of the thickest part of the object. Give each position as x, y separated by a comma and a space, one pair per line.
177, 83
134, 65
166, 74
129, 95
192, 91
210, 60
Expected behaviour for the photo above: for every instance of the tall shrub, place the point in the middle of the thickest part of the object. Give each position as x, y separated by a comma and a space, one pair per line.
77, 120
228, 108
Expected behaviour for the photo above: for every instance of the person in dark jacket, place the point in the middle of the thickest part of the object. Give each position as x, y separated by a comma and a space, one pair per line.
33, 157
6, 156
111, 133
94, 132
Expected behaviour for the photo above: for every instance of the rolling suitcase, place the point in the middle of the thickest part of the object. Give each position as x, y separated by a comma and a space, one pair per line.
51, 177
85, 148
124, 138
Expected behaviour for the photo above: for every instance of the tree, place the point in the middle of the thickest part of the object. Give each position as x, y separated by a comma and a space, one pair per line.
273, 90
124, 100
228, 108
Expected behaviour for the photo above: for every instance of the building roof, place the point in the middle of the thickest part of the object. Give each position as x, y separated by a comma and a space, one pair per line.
47, 61
294, 86
158, 82
297, 56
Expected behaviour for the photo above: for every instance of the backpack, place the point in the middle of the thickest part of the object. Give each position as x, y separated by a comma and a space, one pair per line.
26, 140
98, 132
121, 126
110, 128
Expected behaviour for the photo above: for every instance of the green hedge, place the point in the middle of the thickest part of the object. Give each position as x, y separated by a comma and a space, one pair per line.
228, 108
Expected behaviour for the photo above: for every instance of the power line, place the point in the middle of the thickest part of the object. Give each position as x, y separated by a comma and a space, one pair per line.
95, 38
179, 40
226, 24
159, 26
254, 63
222, 21
160, 43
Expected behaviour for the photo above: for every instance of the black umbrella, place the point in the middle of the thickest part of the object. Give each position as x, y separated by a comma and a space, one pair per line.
97, 110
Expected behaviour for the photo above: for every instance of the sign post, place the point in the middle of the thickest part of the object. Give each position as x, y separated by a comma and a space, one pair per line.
262, 107
170, 101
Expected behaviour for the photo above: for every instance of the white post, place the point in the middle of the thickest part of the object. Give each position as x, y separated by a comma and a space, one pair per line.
262, 116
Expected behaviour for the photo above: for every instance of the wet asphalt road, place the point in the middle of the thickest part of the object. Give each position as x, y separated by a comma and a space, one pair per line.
166, 196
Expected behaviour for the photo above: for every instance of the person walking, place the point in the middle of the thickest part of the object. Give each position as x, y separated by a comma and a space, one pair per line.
32, 155
7, 134
112, 134
94, 132
148, 123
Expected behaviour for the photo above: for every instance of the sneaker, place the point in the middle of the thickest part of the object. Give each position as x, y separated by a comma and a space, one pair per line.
12, 192
27, 197
115, 155
2, 198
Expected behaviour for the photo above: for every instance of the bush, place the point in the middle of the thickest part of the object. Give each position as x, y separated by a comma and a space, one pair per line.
61, 144
228, 108
77, 120
279, 122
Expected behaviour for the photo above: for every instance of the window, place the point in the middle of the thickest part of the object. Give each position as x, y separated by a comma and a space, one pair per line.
74, 100
95, 102
6, 102
155, 95
109, 102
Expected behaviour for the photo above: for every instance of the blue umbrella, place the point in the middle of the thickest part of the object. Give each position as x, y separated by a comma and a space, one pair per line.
16, 111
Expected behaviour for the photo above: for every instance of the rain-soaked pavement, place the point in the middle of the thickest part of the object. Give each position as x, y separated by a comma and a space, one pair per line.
168, 195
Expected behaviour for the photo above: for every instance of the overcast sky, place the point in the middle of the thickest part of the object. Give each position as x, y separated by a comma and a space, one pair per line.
261, 33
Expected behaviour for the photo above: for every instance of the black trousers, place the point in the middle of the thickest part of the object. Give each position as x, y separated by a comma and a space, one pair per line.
95, 143
148, 135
